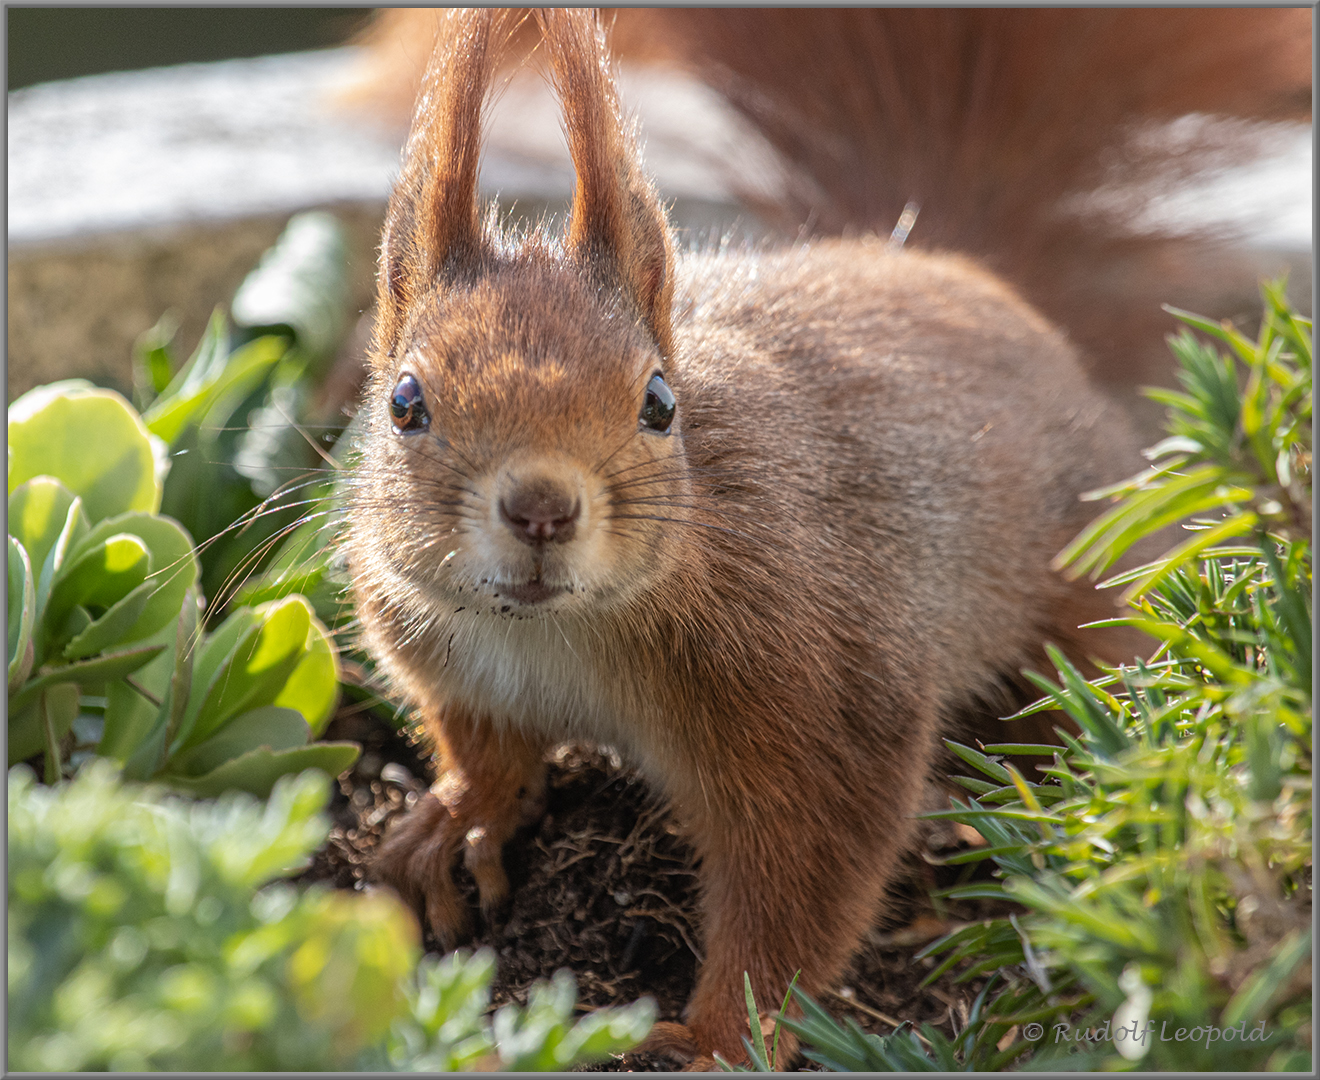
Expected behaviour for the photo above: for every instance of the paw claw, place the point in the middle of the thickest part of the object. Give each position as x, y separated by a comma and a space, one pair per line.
484, 860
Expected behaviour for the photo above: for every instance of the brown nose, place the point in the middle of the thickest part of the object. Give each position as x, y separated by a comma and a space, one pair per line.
540, 512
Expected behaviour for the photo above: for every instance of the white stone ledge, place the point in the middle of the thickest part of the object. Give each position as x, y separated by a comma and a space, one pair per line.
240, 138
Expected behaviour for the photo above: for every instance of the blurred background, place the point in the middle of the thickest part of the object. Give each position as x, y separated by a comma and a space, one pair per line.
48, 43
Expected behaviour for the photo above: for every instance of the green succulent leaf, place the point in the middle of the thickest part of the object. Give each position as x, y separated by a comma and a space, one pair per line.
153, 360
28, 724
269, 726
187, 642
101, 573
134, 729
25, 735
216, 651
252, 674
38, 512
313, 686
140, 717
270, 644
112, 628
173, 565
301, 283
22, 603
53, 431
71, 535
256, 771
101, 669
176, 410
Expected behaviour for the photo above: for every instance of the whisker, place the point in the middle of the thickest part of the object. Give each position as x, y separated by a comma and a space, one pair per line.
603, 462
303, 432
247, 567
667, 505
679, 521
564, 636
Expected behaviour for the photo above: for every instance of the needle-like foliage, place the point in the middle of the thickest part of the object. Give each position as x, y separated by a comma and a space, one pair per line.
1165, 856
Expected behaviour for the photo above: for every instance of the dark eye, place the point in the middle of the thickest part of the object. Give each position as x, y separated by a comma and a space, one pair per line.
407, 406
658, 408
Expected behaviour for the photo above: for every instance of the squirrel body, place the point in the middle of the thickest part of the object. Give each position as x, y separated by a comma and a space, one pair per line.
766, 522
864, 433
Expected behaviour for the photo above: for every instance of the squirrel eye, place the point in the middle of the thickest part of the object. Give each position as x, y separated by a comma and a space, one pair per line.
658, 407
407, 407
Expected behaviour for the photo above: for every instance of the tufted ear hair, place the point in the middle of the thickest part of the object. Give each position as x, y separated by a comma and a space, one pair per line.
433, 221
617, 224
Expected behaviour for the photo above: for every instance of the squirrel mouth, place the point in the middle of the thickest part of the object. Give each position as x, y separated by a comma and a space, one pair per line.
531, 592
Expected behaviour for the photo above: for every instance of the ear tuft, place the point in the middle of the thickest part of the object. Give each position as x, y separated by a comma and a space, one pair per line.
433, 220
617, 225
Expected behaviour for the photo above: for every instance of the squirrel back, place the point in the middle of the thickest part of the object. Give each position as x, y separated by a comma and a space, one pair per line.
767, 522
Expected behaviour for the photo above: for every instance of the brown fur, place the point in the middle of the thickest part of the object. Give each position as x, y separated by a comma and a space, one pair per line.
774, 611
616, 222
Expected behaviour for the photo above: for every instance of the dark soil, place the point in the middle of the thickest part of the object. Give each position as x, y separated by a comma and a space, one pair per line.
605, 886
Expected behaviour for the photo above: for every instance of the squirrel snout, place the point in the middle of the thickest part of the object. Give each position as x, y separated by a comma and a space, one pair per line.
540, 512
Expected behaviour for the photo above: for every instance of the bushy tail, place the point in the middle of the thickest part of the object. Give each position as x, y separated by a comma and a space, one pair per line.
995, 121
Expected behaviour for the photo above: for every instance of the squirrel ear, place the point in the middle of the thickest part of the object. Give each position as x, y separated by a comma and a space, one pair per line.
617, 224
433, 218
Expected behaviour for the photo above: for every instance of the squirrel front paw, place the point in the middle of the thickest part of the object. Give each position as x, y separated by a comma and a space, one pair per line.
670, 1040
694, 1047
419, 852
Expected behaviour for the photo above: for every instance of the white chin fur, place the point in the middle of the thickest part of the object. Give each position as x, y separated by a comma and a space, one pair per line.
541, 673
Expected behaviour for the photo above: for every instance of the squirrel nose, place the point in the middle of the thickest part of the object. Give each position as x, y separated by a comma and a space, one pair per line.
539, 512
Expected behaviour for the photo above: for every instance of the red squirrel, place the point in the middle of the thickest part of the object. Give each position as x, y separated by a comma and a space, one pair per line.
764, 522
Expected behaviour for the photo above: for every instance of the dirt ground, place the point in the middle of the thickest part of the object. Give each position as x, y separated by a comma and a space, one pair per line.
605, 886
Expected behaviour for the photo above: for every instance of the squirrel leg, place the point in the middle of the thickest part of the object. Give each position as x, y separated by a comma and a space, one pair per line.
491, 781
793, 876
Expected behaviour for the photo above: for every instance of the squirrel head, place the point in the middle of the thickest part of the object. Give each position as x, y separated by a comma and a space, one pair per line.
523, 427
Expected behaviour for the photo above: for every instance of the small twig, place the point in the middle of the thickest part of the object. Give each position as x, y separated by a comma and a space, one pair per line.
576, 858
669, 916
852, 1003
